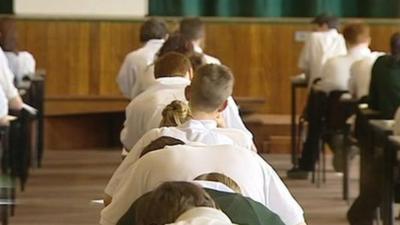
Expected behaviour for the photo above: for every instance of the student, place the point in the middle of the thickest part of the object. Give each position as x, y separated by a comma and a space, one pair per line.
173, 72
130, 77
384, 90
21, 63
6, 83
322, 44
254, 176
194, 30
179, 203
384, 96
336, 72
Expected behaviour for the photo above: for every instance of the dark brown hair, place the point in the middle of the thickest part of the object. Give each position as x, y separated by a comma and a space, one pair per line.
177, 43
172, 64
356, 33
171, 199
192, 28
160, 143
153, 28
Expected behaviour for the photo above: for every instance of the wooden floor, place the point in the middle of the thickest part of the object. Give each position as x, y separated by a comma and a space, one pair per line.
61, 192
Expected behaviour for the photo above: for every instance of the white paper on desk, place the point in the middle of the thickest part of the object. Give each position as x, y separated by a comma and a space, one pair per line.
30, 109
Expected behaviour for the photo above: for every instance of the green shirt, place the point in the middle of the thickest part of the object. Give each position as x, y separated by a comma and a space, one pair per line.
384, 90
241, 210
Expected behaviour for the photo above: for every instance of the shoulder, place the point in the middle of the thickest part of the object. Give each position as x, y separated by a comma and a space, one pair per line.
211, 60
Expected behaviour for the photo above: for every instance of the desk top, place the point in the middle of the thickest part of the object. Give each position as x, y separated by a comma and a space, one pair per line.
384, 126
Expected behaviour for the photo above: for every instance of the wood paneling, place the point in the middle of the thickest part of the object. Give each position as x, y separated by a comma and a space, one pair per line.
82, 58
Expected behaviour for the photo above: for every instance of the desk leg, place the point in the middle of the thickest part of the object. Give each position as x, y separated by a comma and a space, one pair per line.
294, 127
388, 185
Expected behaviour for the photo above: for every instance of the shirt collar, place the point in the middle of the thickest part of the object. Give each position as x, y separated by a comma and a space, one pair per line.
359, 51
172, 81
205, 124
155, 42
197, 49
204, 212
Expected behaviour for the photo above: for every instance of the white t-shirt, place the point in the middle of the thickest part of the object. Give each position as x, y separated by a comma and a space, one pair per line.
336, 71
132, 77
203, 216
318, 48
21, 64
360, 75
254, 176
7, 78
204, 131
144, 112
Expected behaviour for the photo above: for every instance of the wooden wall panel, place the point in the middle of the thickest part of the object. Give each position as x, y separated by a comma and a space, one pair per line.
82, 58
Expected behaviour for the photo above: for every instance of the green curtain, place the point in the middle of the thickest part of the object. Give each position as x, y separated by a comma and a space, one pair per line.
6, 7
275, 8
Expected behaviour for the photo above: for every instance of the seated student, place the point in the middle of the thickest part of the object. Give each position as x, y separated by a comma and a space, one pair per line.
384, 96
254, 176
322, 44
6, 83
384, 90
21, 63
335, 73
173, 72
3, 108
130, 78
179, 203
194, 30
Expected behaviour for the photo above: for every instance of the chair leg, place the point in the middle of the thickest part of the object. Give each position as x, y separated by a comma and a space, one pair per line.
346, 165
323, 163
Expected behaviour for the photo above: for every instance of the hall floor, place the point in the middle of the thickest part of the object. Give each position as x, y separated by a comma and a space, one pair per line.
62, 191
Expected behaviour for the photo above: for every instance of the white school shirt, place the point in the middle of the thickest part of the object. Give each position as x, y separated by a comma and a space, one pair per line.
203, 216
254, 176
335, 73
360, 75
3, 104
7, 78
208, 59
145, 111
200, 131
21, 64
318, 48
133, 72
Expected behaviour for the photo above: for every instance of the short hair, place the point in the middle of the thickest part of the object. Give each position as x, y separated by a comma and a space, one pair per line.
175, 114
211, 86
160, 143
176, 43
170, 200
192, 28
197, 60
172, 64
356, 33
221, 178
331, 21
153, 28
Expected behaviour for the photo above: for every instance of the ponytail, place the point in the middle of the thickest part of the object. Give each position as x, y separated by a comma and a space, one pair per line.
175, 114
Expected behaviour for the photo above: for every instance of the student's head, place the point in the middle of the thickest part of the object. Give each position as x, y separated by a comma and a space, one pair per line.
356, 33
176, 43
153, 28
395, 44
160, 143
175, 114
8, 35
193, 29
325, 22
221, 178
173, 64
210, 88
171, 199
197, 60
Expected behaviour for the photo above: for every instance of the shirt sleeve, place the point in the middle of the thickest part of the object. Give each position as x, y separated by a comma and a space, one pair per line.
127, 77
278, 198
3, 104
7, 78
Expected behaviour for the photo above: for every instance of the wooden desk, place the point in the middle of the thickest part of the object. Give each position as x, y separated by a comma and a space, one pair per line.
249, 105
382, 151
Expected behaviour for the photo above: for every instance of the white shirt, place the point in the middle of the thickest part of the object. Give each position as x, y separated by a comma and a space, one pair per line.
7, 78
3, 104
360, 75
201, 131
208, 59
203, 216
318, 48
145, 111
336, 71
254, 176
133, 75
21, 64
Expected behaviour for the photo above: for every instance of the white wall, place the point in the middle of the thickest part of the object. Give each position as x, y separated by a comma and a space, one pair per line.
113, 8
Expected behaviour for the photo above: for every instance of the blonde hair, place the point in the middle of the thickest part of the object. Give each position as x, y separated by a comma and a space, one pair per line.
175, 114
